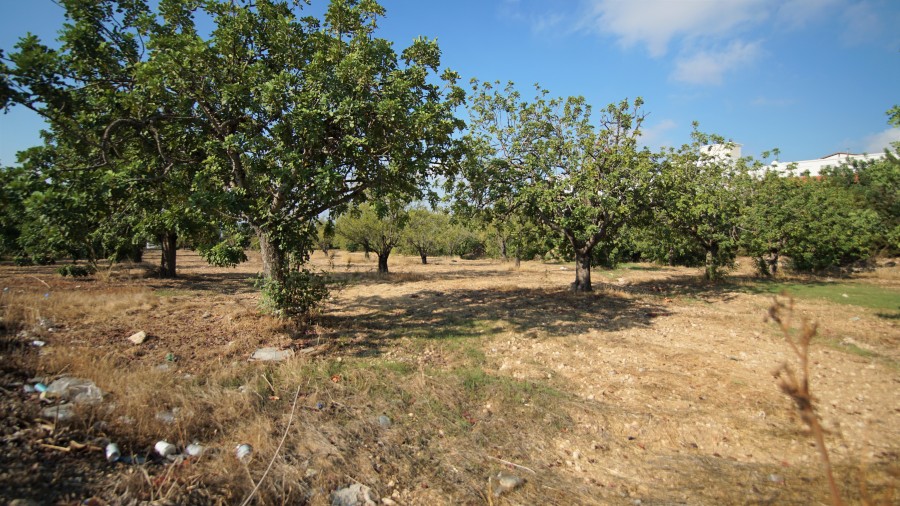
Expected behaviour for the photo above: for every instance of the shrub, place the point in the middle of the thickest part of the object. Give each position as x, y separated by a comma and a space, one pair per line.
75, 271
298, 295
224, 255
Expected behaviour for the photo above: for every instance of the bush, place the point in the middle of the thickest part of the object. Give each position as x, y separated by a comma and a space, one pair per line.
224, 255
75, 271
22, 260
299, 294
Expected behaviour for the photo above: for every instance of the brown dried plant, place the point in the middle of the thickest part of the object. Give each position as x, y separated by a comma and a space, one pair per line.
797, 388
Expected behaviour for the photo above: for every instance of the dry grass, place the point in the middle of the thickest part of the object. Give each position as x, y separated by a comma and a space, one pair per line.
653, 388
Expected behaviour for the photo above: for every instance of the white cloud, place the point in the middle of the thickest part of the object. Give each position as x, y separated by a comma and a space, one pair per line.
654, 136
876, 143
655, 23
797, 13
709, 66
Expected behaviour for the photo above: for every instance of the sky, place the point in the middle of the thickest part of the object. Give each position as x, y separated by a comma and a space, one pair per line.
809, 77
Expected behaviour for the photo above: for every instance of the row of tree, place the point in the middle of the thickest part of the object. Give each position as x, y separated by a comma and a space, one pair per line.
159, 131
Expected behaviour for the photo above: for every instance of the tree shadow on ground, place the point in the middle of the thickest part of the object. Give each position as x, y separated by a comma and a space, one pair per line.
681, 285
462, 314
369, 278
222, 283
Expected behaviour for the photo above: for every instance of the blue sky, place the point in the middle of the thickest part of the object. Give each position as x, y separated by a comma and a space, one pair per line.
810, 77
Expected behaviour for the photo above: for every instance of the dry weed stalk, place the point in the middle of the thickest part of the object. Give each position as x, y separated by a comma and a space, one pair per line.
797, 388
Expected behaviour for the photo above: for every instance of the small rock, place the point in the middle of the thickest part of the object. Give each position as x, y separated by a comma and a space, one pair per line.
271, 355
506, 482
384, 421
138, 337
22, 502
354, 495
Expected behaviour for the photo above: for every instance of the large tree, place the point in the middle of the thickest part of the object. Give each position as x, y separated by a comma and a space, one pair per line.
122, 158
270, 120
302, 115
583, 177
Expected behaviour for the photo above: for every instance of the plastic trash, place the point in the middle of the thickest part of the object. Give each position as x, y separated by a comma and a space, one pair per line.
271, 355
164, 448
112, 452
40, 387
242, 452
61, 412
38, 343
77, 390
166, 416
194, 449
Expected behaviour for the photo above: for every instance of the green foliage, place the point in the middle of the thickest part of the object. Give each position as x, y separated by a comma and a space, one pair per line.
874, 185
426, 232
76, 271
296, 296
550, 161
701, 195
815, 224
376, 229
223, 254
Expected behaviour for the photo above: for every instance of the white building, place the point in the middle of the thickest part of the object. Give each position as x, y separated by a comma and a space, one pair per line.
815, 167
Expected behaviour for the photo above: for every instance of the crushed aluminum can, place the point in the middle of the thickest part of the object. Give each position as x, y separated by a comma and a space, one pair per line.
164, 448
243, 451
112, 452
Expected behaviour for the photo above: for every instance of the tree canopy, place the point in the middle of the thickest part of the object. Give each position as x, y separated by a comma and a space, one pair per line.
582, 177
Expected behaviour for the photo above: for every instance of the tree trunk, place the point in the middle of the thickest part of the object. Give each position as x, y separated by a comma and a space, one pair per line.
169, 243
712, 262
582, 271
382, 262
424, 256
503, 249
137, 254
273, 258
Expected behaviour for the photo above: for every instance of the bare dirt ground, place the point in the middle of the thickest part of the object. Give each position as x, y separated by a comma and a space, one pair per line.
654, 389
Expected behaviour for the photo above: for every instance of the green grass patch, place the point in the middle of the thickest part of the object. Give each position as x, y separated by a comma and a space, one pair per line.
855, 294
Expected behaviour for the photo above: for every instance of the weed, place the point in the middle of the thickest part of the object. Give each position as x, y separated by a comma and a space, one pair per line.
797, 387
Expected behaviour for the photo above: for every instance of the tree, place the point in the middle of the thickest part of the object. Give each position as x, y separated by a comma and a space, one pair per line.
107, 136
302, 116
548, 160
768, 221
378, 229
874, 185
425, 232
270, 121
702, 191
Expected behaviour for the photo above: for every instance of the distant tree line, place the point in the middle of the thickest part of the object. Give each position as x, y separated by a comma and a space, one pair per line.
294, 133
